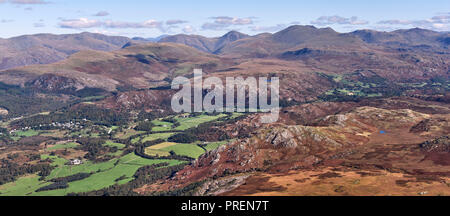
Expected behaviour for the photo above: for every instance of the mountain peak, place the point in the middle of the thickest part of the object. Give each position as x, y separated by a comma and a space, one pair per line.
300, 27
297, 34
233, 36
415, 31
303, 26
305, 29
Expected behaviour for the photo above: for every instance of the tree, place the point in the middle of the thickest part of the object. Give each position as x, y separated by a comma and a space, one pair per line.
183, 138
144, 126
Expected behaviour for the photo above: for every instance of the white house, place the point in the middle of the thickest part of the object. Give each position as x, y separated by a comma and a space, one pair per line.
76, 162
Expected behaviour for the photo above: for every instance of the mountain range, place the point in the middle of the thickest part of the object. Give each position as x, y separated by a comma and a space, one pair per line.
309, 36
49, 48
414, 54
361, 113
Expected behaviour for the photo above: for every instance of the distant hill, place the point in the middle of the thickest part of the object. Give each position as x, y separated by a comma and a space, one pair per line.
407, 38
291, 38
298, 54
211, 45
142, 65
49, 48
266, 44
297, 37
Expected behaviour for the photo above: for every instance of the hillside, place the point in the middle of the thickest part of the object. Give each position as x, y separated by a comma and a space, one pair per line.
408, 38
326, 156
211, 45
146, 65
311, 62
49, 48
298, 36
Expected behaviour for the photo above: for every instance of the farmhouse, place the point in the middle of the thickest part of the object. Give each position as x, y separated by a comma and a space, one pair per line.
76, 162
185, 115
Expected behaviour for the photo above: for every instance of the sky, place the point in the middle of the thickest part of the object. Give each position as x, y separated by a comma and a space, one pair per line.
149, 18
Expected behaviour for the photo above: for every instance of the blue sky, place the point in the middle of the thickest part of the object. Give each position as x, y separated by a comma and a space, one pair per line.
213, 18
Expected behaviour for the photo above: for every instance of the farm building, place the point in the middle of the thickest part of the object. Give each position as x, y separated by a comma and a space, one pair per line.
76, 162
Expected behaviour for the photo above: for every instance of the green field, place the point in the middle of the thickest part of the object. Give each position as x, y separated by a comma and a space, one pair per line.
161, 126
127, 166
164, 149
56, 161
155, 150
19, 134
115, 154
104, 175
152, 137
23, 186
27, 133
113, 144
190, 122
190, 150
86, 167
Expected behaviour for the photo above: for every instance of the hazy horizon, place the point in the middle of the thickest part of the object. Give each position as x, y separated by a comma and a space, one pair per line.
214, 36
211, 19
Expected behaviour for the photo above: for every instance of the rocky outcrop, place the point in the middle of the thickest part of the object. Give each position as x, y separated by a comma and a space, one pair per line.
149, 99
219, 186
423, 126
54, 83
275, 147
441, 144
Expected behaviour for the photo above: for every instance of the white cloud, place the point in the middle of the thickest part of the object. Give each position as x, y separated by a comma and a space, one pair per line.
189, 29
330, 20
152, 24
80, 23
146, 24
106, 32
223, 22
441, 19
101, 13
268, 28
175, 22
395, 22
439, 23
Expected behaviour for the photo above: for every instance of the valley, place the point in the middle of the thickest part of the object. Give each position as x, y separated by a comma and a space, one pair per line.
362, 113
